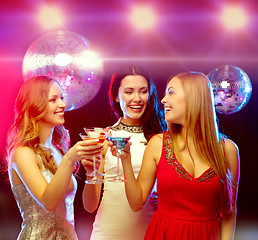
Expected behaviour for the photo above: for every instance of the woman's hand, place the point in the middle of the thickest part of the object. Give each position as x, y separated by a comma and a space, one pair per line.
89, 165
85, 150
125, 154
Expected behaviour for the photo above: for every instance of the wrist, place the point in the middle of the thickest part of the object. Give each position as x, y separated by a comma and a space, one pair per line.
68, 161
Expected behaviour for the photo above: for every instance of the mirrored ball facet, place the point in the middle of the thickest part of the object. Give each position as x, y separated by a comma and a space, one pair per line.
232, 88
68, 58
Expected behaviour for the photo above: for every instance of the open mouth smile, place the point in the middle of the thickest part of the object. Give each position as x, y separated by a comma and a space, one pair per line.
137, 108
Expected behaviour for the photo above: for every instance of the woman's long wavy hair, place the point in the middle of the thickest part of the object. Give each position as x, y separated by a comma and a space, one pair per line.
152, 120
200, 120
30, 107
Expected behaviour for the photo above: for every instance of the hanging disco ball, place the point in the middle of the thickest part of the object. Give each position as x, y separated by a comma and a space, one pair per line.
66, 57
232, 88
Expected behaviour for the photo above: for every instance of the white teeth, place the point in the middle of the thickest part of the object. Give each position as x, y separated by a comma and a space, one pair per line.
60, 113
136, 107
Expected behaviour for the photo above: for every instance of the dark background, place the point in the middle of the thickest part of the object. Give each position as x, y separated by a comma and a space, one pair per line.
188, 37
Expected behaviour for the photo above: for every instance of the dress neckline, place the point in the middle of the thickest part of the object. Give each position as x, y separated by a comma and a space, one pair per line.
190, 175
132, 129
173, 161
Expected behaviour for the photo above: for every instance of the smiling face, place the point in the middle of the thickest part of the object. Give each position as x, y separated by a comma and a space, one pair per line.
56, 107
174, 102
133, 98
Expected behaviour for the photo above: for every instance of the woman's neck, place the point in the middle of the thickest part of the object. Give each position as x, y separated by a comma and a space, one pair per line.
182, 137
45, 137
130, 121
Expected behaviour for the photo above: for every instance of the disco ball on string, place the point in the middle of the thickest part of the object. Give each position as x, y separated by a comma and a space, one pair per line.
68, 58
232, 88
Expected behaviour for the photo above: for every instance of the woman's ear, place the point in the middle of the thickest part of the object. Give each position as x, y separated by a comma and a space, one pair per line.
117, 99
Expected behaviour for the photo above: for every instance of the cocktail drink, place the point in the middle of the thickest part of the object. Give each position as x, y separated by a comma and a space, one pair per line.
120, 143
100, 134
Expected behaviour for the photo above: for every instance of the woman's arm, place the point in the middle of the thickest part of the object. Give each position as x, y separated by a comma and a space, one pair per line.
27, 165
138, 190
228, 222
91, 192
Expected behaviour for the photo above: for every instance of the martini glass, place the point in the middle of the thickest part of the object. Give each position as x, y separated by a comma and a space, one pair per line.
94, 133
119, 142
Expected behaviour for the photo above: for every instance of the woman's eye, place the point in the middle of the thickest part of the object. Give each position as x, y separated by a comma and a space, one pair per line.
52, 100
170, 92
145, 92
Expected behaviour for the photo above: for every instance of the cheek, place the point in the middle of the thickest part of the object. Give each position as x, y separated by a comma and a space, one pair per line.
51, 107
122, 106
122, 103
170, 101
123, 99
182, 102
145, 99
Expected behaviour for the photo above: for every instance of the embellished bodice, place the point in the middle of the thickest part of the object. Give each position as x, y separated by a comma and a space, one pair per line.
119, 126
171, 159
38, 223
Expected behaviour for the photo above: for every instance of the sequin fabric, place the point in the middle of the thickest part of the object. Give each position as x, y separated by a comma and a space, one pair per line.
38, 223
131, 129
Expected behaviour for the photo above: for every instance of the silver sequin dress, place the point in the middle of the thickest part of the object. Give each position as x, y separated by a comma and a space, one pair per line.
38, 223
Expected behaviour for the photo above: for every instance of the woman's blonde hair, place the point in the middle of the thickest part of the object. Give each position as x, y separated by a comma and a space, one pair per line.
30, 107
200, 120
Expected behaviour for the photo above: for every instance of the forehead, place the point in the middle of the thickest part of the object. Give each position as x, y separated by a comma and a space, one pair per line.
134, 81
174, 83
54, 89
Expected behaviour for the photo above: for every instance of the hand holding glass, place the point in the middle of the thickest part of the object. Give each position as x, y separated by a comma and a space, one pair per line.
90, 134
120, 143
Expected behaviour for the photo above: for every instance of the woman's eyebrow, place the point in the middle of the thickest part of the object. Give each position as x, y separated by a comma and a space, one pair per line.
53, 96
170, 88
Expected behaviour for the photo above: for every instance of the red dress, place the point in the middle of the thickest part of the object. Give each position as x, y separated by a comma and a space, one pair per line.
187, 206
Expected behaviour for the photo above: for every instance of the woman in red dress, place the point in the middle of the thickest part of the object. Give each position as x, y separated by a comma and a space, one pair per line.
197, 169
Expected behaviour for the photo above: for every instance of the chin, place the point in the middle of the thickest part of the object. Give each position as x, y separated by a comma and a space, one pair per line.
136, 116
167, 119
60, 123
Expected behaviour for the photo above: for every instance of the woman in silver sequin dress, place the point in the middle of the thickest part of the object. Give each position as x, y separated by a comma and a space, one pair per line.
133, 98
40, 165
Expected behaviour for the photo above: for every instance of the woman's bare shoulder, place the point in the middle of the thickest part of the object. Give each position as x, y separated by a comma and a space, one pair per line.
22, 152
156, 138
155, 142
232, 152
230, 146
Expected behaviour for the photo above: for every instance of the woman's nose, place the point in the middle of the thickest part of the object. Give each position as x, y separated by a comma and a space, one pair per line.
163, 100
62, 103
137, 97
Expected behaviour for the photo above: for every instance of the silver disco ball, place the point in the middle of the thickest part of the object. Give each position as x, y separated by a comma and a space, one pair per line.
68, 58
232, 88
